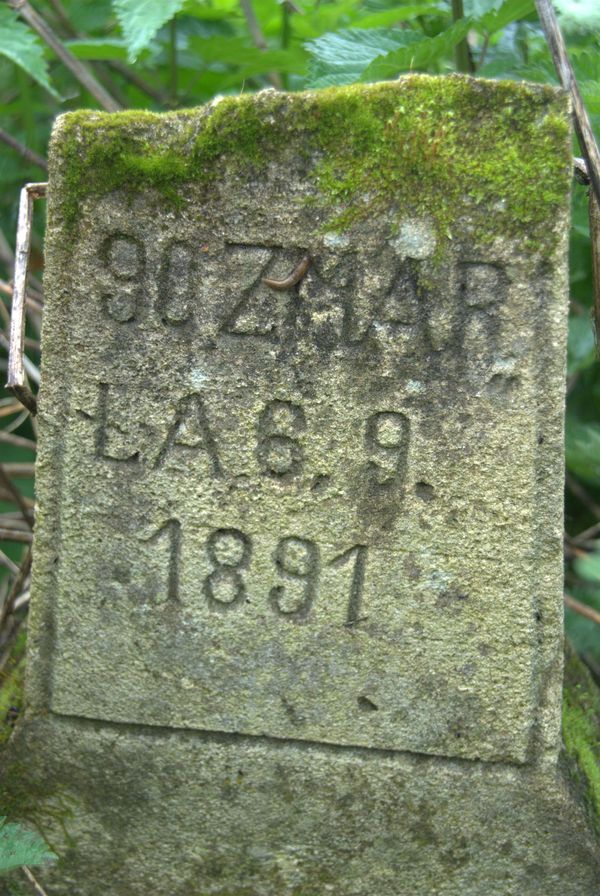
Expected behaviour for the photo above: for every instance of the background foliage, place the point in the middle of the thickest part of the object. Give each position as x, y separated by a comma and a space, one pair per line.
165, 54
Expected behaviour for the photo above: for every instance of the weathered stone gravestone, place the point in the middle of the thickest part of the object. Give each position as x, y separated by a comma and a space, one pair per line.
298, 595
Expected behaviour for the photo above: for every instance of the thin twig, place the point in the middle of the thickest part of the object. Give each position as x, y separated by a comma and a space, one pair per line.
594, 218
259, 39
24, 471
587, 534
35, 21
30, 300
6, 410
17, 496
566, 75
115, 64
580, 170
22, 600
23, 150
17, 588
128, 74
61, 14
173, 59
578, 490
18, 441
462, 56
13, 519
8, 563
582, 609
28, 364
16, 535
37, 887
16, 364
7, 255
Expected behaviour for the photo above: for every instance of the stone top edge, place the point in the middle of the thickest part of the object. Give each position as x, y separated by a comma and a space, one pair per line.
549, 93
433, 144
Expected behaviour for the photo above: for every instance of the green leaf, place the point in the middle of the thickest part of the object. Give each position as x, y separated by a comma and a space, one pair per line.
417, 55
582, 345
18, 846
19, 44
588, 567
342, 57
236, 51
98, 48
141, 19
510, 11
581, 631
389, 17
583, 449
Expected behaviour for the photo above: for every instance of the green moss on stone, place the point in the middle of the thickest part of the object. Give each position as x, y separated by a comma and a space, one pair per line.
581, 730
11, 687
427, 146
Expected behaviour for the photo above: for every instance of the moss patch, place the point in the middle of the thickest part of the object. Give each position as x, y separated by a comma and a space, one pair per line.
424, 145
11, 687
581, 730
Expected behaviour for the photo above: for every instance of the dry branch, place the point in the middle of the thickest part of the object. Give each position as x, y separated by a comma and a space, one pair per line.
23, 150
566, 75
259, 38
582, 609
16, 368
35, 21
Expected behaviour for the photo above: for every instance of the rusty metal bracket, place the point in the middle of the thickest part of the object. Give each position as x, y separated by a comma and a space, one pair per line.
17, 380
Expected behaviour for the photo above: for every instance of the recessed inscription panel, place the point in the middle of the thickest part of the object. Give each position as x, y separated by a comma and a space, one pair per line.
300, 505
303, 500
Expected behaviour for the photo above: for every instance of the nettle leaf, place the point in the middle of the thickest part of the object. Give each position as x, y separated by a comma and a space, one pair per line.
98, 48
418, 54
18, 846
341, 58
391, 17
141, 19
510, 11
19, 44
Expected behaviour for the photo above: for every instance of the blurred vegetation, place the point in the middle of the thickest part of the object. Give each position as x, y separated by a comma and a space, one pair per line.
58, 55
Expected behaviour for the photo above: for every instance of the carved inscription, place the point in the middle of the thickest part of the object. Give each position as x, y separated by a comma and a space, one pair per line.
387, 436
278, 450
110, 442
125, 259
172, 532
176, 279
358, 556
229, 552
190, 431
336, 303
281, 431
296, 564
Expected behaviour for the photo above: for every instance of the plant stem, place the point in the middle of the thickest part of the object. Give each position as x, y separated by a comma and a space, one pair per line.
285, 36
461, 51
258, 38
39, 25
23, 150
173, 59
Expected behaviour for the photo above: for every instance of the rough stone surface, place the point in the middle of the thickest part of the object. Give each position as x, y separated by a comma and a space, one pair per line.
297, 583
